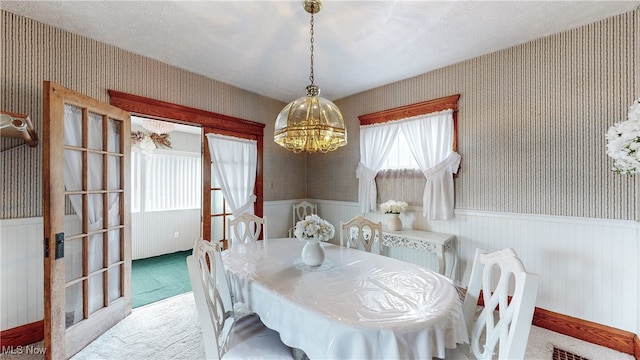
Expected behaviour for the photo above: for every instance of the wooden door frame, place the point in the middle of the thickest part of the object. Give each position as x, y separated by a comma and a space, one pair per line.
220, 124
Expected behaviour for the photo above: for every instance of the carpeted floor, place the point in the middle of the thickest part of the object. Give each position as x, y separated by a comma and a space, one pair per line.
169, 329
159, 277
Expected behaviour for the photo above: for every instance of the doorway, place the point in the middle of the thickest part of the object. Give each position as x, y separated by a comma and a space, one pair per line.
166, 206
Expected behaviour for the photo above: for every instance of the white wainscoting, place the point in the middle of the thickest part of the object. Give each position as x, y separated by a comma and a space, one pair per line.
588, 268
152, 233
21, 256
278, 215
21, 272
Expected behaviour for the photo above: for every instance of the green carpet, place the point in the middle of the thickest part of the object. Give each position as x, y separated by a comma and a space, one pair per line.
159, 277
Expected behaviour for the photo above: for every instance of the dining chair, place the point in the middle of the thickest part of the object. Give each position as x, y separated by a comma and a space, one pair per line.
300, 211
227, 336
504, 322
205, 248
246, 227
361, 230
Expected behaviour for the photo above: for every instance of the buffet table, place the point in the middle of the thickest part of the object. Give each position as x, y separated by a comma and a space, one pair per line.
355, 305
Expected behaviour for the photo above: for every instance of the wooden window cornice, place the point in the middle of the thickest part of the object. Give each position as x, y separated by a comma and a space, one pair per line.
402, 112
421, 108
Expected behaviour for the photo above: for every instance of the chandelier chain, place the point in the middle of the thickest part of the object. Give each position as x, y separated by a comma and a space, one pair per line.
311, 47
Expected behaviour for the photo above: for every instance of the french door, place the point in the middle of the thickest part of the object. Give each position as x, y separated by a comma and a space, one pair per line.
87, 263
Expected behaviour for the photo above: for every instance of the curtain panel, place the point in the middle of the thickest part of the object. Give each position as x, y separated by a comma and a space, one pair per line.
375, 143
430, 138
234, 162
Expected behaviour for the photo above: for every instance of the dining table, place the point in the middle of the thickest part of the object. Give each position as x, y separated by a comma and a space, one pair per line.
355, 305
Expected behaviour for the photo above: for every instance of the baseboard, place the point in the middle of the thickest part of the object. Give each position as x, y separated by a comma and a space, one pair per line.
612, 338
22, 335
616, 339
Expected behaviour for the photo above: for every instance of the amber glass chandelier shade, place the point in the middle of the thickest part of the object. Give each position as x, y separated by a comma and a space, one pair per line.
310, 124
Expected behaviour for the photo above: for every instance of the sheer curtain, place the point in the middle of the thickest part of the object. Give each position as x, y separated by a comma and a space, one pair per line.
73, 179
430, 138
375, 144
234, 162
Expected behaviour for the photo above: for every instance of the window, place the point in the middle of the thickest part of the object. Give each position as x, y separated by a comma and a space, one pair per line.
400, 156
220, 212
393, 139
166, 180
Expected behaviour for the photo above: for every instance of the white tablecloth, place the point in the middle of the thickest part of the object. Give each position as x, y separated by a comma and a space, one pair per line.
357, 305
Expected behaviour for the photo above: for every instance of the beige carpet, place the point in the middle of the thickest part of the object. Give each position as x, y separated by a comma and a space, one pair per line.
166, 329
169, 329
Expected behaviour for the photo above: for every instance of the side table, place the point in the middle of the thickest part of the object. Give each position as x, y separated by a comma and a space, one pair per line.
433, 242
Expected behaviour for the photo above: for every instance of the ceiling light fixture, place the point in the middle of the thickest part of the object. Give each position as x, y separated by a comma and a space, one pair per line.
157, 126
310, 123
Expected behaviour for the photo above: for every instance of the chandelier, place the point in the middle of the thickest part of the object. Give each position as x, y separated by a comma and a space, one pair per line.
157, 126
310, 123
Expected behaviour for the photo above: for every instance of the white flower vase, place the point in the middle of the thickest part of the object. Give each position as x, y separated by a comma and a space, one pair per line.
313, 253
394, 223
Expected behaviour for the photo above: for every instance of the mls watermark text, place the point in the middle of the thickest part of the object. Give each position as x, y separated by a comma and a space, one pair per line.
23, 350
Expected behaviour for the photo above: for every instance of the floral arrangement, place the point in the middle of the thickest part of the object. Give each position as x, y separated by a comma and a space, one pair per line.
150, 141
624, 142
314, 227
393, 207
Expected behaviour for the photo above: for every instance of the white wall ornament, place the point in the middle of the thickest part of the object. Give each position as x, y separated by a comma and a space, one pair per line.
624, 142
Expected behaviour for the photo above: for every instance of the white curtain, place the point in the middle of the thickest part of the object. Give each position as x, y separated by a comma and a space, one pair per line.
375, 143
172, 180
430, 138
234, 162
73, 181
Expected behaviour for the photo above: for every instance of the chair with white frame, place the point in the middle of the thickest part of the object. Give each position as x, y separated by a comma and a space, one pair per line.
246, 228
361, 230
503, 323
225, 334
300, 211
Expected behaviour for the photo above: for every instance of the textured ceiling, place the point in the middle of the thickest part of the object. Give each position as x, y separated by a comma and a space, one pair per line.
263, 46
